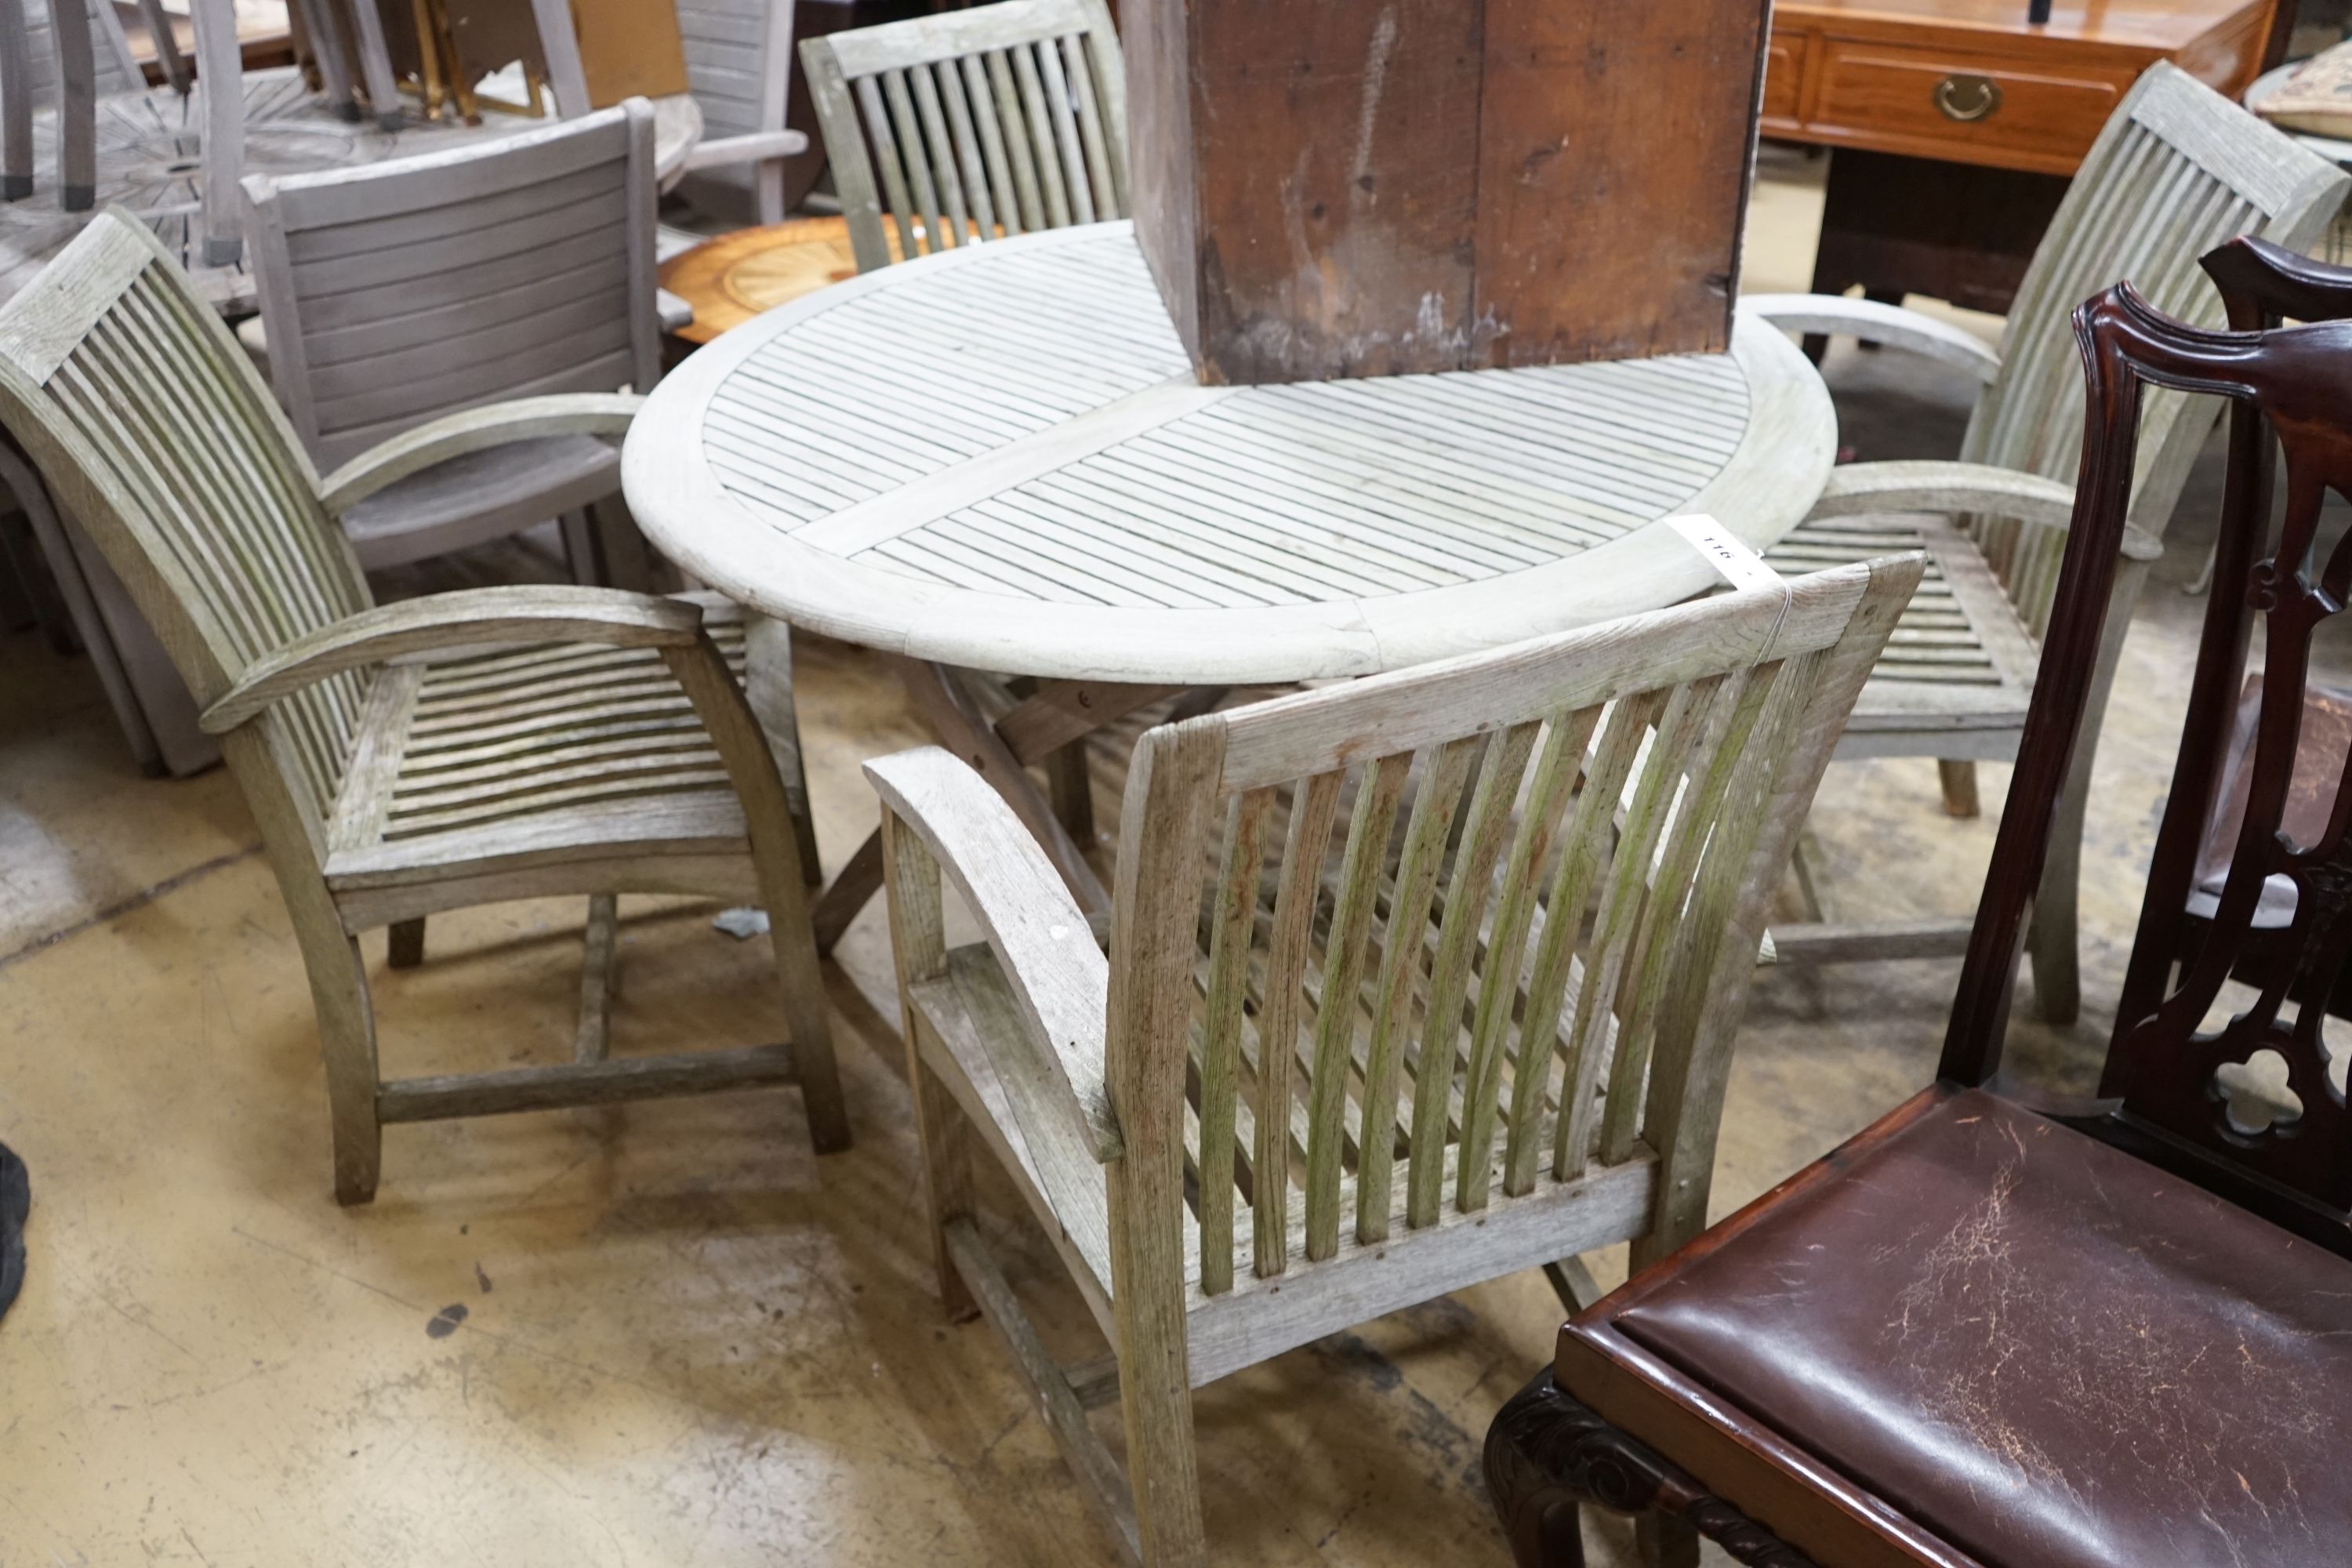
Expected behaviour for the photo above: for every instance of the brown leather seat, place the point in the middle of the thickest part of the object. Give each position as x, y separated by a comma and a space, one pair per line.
2043, 1351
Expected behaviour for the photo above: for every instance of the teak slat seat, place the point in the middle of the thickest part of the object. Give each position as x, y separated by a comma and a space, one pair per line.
1001, 120
2177, 170
405, 291
410, 758
1994, 1332
1262, 1115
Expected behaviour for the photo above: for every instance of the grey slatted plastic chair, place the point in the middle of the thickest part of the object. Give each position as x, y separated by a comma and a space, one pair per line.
406, 759
1008, 117
738, 65
2177, 170
403, 291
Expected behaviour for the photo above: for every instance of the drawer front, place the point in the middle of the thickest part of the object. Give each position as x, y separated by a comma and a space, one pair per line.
1784, 76
1950, 104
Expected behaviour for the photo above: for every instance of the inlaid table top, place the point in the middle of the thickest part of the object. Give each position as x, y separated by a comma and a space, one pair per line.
147, 145
998, 458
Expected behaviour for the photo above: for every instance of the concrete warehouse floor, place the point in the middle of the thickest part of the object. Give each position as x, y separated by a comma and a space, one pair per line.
684, 1338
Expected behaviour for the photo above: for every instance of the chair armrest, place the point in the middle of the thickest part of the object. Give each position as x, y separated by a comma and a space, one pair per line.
475, 430
1836, 316
469, 617
675, 314
1059, 977
757, 147
1859, 489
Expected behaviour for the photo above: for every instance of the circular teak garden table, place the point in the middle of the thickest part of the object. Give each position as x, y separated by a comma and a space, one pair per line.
997, 458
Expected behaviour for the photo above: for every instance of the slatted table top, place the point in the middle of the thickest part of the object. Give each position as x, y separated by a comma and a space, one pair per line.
998, 458
147, 162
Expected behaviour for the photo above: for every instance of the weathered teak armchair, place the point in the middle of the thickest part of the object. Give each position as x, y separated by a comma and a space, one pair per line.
1534, 880
2177, 170
1983, 1334
1007, 118
406, 759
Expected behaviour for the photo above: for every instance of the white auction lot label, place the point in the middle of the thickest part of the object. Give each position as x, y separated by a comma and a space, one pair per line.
1738, 565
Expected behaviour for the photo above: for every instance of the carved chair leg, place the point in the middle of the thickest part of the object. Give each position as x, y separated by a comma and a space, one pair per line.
408, 942
1547, 1453
1959, 781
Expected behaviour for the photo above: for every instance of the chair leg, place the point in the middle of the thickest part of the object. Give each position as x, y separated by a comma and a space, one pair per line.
408, 943
579, 548
1960, 781
1547, 1455
338, 990
2050, 933
628, 560
946, 1142
591, 1039
775, 863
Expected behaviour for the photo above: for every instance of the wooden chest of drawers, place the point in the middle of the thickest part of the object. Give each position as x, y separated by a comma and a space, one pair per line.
1969, 82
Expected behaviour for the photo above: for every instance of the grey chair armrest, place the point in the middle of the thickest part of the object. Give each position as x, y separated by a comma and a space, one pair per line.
475, 430
1837, 316
469, 617
1059, 977
1858, 489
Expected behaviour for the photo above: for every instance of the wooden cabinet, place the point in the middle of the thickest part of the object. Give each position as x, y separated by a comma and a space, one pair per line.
1969, 82
1332, 190
1957, 124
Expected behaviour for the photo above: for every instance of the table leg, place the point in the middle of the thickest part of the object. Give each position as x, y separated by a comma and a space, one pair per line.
768, 683
1071, 786
1051, 727
838, 905
948, 700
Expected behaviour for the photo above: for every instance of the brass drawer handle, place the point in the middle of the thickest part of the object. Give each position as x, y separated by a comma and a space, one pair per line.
1965, 96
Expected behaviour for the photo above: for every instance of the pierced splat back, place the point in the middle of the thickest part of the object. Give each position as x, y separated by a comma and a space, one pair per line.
2167, 1066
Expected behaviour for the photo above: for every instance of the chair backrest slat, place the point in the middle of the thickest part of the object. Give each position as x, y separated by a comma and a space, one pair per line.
2177, 170
149, 424
408, 289
1404, 967
1002, 119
